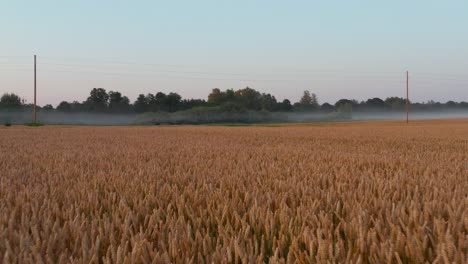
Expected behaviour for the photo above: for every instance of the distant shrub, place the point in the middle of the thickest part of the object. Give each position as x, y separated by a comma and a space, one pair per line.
7, 124
233, 108
34, 124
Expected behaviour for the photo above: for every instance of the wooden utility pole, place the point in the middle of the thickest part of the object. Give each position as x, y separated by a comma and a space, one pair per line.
407, 97
35, 117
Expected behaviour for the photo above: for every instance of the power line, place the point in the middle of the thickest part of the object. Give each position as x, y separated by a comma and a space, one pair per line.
113, 61
141, 74
419, 75
11, 56
284, 69
158, 73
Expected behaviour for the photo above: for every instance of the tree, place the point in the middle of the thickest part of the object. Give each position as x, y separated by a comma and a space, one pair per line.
315, 103
172, 102
249, 98
451, 104
285, 105
98, 100
114, 98
160, 97
191, 103
345, 108
140, 105
268, 102
233, 107
48, 107
246, 98
158, 102
309, 101
395, 103
344, 104
64, 107
327, 108
118, 103
77, 107
375, 103
150, 100
216, 97
230, 95
10, 101
306, 98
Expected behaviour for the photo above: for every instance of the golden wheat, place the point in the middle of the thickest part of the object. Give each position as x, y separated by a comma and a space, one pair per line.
376, 192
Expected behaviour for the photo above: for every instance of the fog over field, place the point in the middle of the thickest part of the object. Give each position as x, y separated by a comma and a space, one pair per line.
58, 118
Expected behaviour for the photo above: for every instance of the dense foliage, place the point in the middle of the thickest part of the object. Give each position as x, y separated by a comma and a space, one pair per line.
247, 99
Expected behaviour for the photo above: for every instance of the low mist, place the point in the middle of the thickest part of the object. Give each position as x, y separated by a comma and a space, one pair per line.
209, 117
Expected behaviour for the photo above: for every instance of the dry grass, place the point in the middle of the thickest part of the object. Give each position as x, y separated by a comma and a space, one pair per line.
378, 192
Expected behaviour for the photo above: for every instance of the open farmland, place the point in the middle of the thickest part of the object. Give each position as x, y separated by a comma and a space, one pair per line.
379, 192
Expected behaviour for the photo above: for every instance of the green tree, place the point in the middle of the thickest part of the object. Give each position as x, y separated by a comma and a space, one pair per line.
327, 108
159, 102
48, 107
306, 98
285, 105
10, 101
230, 95
395, 103
172, 102
77, 107
118, 103
309, 101
140, 105
268, 102
344, 105
98, 100
249, 98
64, 107
345, 108
451, 104
216, 97
375, 103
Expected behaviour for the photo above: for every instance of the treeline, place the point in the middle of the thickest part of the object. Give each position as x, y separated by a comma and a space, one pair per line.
242, 100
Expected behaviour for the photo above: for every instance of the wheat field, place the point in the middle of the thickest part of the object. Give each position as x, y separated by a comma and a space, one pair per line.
365, 192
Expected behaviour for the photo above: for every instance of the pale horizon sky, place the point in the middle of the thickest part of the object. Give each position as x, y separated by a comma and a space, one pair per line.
336, 49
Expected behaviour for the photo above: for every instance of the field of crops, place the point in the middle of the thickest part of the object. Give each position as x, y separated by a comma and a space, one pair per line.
378, 192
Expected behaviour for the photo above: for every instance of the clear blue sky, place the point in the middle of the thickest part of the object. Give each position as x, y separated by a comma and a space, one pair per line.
337, 49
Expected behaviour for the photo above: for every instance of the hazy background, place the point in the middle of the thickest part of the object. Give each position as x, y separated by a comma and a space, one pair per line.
337, 49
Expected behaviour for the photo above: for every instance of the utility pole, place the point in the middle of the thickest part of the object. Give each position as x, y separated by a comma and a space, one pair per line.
407, 97
35, 117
